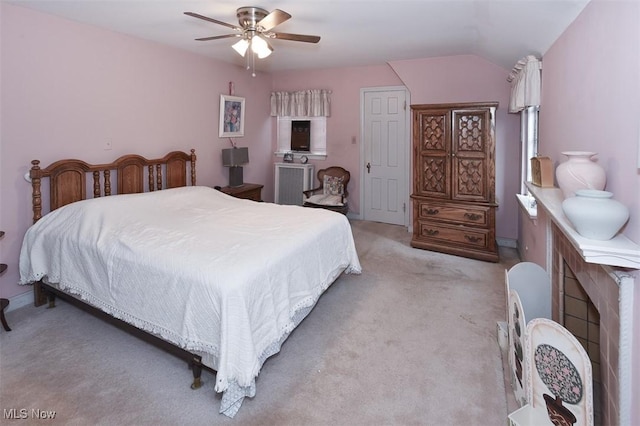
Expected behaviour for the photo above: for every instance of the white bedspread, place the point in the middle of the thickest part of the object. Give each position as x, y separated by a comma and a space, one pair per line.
216, 275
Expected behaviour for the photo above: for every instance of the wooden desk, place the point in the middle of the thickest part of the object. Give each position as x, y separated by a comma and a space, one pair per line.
248, 191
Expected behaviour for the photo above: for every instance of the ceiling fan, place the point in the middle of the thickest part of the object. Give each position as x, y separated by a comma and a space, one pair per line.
255, 28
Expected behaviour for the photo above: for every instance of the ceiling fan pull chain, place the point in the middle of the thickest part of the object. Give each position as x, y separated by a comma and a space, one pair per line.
253, 64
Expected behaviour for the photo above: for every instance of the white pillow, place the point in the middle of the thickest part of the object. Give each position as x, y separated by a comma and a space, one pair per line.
325, 200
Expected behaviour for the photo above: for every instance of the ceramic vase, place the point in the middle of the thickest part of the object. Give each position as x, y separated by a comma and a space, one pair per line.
579, 171
595, 214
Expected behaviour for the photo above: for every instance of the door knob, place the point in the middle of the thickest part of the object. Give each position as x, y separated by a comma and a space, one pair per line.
368, 167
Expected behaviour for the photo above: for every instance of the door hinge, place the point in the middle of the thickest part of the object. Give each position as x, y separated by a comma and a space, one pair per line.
404, 207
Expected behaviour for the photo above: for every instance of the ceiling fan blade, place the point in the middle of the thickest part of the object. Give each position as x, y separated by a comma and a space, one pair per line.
218, 37
273, 19
215, 21
297, 37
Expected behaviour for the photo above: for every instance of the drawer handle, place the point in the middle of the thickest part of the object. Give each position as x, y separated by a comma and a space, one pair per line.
433, 211
431, 232
472, 239
472, 216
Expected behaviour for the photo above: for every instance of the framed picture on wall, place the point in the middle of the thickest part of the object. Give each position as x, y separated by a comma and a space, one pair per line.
231, 116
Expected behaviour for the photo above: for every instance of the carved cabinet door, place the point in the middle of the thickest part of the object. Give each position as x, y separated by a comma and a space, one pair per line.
432, 134
472, 155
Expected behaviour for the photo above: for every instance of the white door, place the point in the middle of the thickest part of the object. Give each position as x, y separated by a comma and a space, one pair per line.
385, 162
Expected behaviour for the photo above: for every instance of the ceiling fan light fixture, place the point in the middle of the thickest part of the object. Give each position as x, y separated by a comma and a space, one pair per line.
241, 47
255, 29
260, 47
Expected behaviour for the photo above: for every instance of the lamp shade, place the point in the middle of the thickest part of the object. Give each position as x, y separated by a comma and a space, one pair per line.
241, 47
232, 157
260, 47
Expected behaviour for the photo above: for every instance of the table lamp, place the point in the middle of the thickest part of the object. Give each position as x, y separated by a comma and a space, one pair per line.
234, 158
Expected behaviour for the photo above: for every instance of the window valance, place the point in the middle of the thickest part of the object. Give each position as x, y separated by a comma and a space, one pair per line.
525, 84
304, 103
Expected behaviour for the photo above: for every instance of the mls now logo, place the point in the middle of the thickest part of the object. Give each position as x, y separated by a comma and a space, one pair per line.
23, 413
14, 413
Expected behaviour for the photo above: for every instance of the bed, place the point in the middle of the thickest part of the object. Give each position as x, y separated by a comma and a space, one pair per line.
217, 280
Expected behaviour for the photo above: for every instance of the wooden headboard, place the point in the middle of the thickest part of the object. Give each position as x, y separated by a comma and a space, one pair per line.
68, 178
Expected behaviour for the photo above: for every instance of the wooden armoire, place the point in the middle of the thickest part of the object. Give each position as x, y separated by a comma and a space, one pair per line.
453, 196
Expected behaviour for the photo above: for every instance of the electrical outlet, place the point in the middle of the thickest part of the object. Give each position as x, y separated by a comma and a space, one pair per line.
108, 145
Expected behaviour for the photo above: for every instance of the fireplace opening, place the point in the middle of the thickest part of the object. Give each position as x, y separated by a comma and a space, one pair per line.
582, 319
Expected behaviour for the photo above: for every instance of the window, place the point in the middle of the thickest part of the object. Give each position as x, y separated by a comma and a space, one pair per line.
529, 143
318, 130
528, 149
525, 79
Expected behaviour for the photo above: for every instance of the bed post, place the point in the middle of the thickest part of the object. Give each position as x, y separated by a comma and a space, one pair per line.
36, 196
39, 296
193, 167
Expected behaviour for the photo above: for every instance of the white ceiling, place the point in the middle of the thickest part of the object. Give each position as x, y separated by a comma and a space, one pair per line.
354, 32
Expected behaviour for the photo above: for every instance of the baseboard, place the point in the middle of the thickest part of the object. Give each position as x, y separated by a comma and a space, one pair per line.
507, 242
19, 301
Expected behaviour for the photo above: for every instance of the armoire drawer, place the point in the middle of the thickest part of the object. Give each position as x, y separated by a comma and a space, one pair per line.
454, 213
470, 237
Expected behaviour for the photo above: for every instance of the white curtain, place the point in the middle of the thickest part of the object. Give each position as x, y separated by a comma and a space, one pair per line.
525, 84
304, 103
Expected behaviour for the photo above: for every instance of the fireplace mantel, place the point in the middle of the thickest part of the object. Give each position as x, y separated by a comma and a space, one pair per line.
619, 251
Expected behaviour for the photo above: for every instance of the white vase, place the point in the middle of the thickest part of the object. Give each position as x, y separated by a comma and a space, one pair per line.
594, 214
579, 171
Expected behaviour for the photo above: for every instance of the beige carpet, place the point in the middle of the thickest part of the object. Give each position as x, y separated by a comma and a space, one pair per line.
410, 341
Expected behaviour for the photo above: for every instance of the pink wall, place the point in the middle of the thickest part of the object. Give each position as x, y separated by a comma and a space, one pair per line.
591, 102
437, 80
67, 88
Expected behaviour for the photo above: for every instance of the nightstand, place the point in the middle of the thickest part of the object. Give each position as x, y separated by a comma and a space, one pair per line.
248, 191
